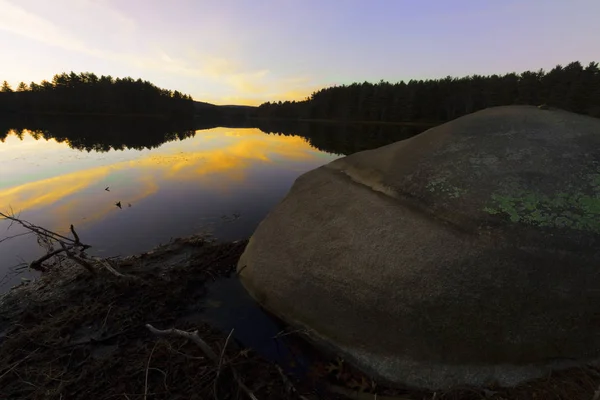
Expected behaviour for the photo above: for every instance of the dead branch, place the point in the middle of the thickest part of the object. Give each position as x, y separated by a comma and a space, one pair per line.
78, 260
193, 336
37, 229
106, 264
206, 349
37, 264
75, 235
72, 247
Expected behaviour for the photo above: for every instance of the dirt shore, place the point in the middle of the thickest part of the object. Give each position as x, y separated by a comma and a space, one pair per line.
70, 335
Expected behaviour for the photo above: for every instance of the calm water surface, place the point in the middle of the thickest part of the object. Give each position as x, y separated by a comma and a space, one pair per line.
222, 180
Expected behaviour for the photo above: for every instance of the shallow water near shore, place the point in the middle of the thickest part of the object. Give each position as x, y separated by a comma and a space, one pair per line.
228, 307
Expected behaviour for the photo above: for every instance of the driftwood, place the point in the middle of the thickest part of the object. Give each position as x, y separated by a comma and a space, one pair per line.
206, 349
73, 248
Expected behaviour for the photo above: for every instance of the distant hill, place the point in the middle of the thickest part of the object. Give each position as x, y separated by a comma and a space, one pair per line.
240, 107
230, 113
201, 105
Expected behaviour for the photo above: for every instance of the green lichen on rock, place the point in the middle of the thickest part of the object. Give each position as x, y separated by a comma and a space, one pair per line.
440, 185
575, 210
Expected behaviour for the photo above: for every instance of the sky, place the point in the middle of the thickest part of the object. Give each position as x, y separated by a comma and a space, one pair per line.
251, 51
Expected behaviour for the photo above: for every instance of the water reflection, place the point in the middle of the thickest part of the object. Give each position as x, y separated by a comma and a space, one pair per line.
170, 183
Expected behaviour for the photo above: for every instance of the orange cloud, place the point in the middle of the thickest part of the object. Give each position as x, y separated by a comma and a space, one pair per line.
47, 191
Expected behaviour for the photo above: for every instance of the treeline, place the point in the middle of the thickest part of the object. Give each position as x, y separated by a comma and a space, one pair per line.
86, 93
573, 87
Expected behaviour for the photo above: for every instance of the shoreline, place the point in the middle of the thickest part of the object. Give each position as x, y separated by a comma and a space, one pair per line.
71, 335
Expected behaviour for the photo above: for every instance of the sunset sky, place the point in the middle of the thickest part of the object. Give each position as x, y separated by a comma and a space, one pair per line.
250, 51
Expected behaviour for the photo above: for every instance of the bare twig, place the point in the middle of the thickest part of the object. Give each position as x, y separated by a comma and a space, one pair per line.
37, 229
223, 353
288, 383
242, 386
239, 271
193, 336
72, 247
206, 349
216, 381
164, 374
106, 317
283, 333
147, 369
12, 213
16, 364
15, 236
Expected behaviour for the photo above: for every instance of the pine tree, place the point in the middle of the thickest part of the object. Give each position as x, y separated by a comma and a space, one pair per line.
5, 87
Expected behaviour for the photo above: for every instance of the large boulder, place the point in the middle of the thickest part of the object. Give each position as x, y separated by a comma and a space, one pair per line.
469, 254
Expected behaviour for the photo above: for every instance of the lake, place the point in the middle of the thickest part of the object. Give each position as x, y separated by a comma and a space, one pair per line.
221, 181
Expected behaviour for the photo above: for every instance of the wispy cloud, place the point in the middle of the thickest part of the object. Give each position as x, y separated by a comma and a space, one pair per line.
19, 21
82, 26
248, 86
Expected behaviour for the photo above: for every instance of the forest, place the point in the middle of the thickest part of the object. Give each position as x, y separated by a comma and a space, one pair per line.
86, 93
572, 87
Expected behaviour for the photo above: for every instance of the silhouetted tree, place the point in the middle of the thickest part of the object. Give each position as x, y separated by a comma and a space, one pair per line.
6, 87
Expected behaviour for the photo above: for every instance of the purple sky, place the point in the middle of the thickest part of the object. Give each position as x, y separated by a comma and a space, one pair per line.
250, 51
